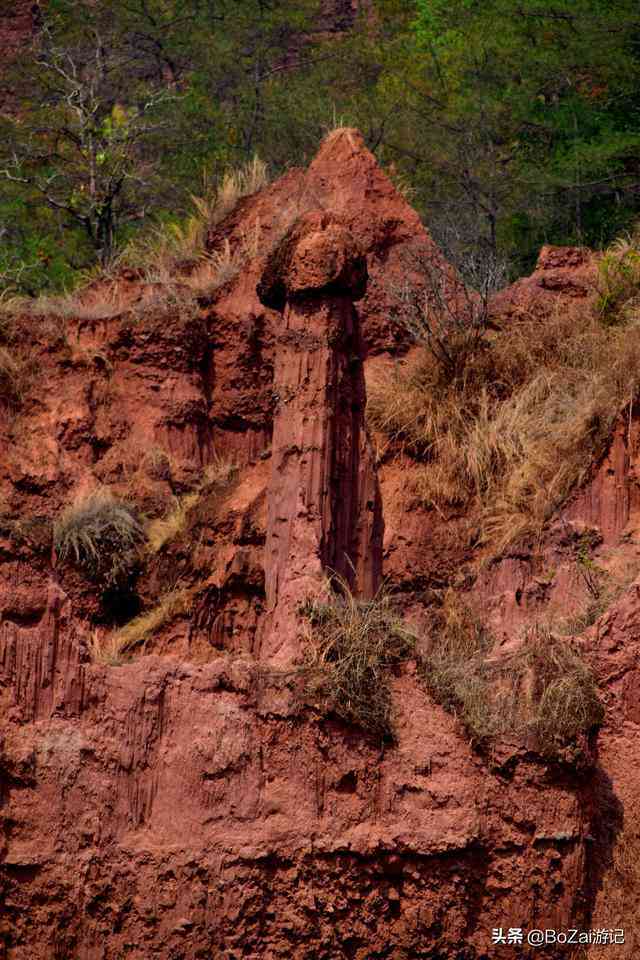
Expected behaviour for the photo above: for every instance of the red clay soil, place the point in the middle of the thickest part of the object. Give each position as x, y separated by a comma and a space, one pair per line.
185, 803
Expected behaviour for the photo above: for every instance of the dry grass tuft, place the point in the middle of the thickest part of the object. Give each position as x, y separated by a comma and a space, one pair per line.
136, 633
340, 132
165, 529
218, 474
11, 377
161, 252
521, 425
99, 303
543, 693
164, 297
216, 478
114, 648
104, 649
237, 184
101, 535
454, 668
353, 644
216, 268
619, 280
563, 699
157, 463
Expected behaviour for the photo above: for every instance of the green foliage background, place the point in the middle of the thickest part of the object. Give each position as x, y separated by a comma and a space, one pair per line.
513, 124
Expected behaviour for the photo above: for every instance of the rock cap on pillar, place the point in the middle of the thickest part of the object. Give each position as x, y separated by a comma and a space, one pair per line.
318, 255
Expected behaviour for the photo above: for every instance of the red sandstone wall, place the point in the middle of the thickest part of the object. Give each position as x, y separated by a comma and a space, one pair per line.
184, 804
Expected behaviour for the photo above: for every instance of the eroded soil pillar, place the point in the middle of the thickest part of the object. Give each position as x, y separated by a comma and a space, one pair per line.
324, 510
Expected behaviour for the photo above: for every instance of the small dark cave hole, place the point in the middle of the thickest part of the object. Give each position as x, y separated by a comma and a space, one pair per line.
119, 605
347, 783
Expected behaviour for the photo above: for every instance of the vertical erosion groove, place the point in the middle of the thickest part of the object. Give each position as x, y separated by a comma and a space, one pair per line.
324, 510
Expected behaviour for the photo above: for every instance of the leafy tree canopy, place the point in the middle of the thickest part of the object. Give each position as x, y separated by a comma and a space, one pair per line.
511, 124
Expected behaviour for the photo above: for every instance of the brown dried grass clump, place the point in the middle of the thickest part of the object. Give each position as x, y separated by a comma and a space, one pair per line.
11, 377
165, 529
454, 668
520, 426
338, 131
221, 265
103, 303
562, 699
161, 252
543, 693
102, 535
353, 645
114, 648
619, 280
217, 477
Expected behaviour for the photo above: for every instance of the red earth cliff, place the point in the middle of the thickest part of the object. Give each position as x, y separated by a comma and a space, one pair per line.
184, 803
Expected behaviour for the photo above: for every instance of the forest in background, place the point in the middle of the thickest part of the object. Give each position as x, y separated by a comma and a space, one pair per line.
507, 124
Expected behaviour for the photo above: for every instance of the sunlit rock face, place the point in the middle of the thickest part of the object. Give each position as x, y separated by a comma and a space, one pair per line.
186, 803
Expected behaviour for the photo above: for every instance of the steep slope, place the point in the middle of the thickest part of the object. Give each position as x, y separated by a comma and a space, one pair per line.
186, 802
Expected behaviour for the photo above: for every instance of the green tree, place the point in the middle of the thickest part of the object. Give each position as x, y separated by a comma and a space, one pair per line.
511, 123
119, 112
536, 98
80, 146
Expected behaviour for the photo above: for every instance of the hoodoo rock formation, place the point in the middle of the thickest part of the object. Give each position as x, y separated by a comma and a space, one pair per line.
324, 510
183, 803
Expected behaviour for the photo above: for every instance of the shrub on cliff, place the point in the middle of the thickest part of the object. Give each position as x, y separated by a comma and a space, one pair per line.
353, 646
565, 701
519, 426
101, 535
543, 693
454, 669
443, 314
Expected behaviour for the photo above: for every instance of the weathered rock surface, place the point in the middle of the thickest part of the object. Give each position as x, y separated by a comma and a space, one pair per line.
183, 804
564, 275
324, 509
167, 809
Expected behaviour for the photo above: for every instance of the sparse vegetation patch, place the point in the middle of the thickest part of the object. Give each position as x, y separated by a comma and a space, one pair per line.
619, 280
353, 645
217, 477
564, 700
114, 647
454, 667
515, 426
602, 588
165, 529
10, 377
162, 251
101, 535
544, 692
